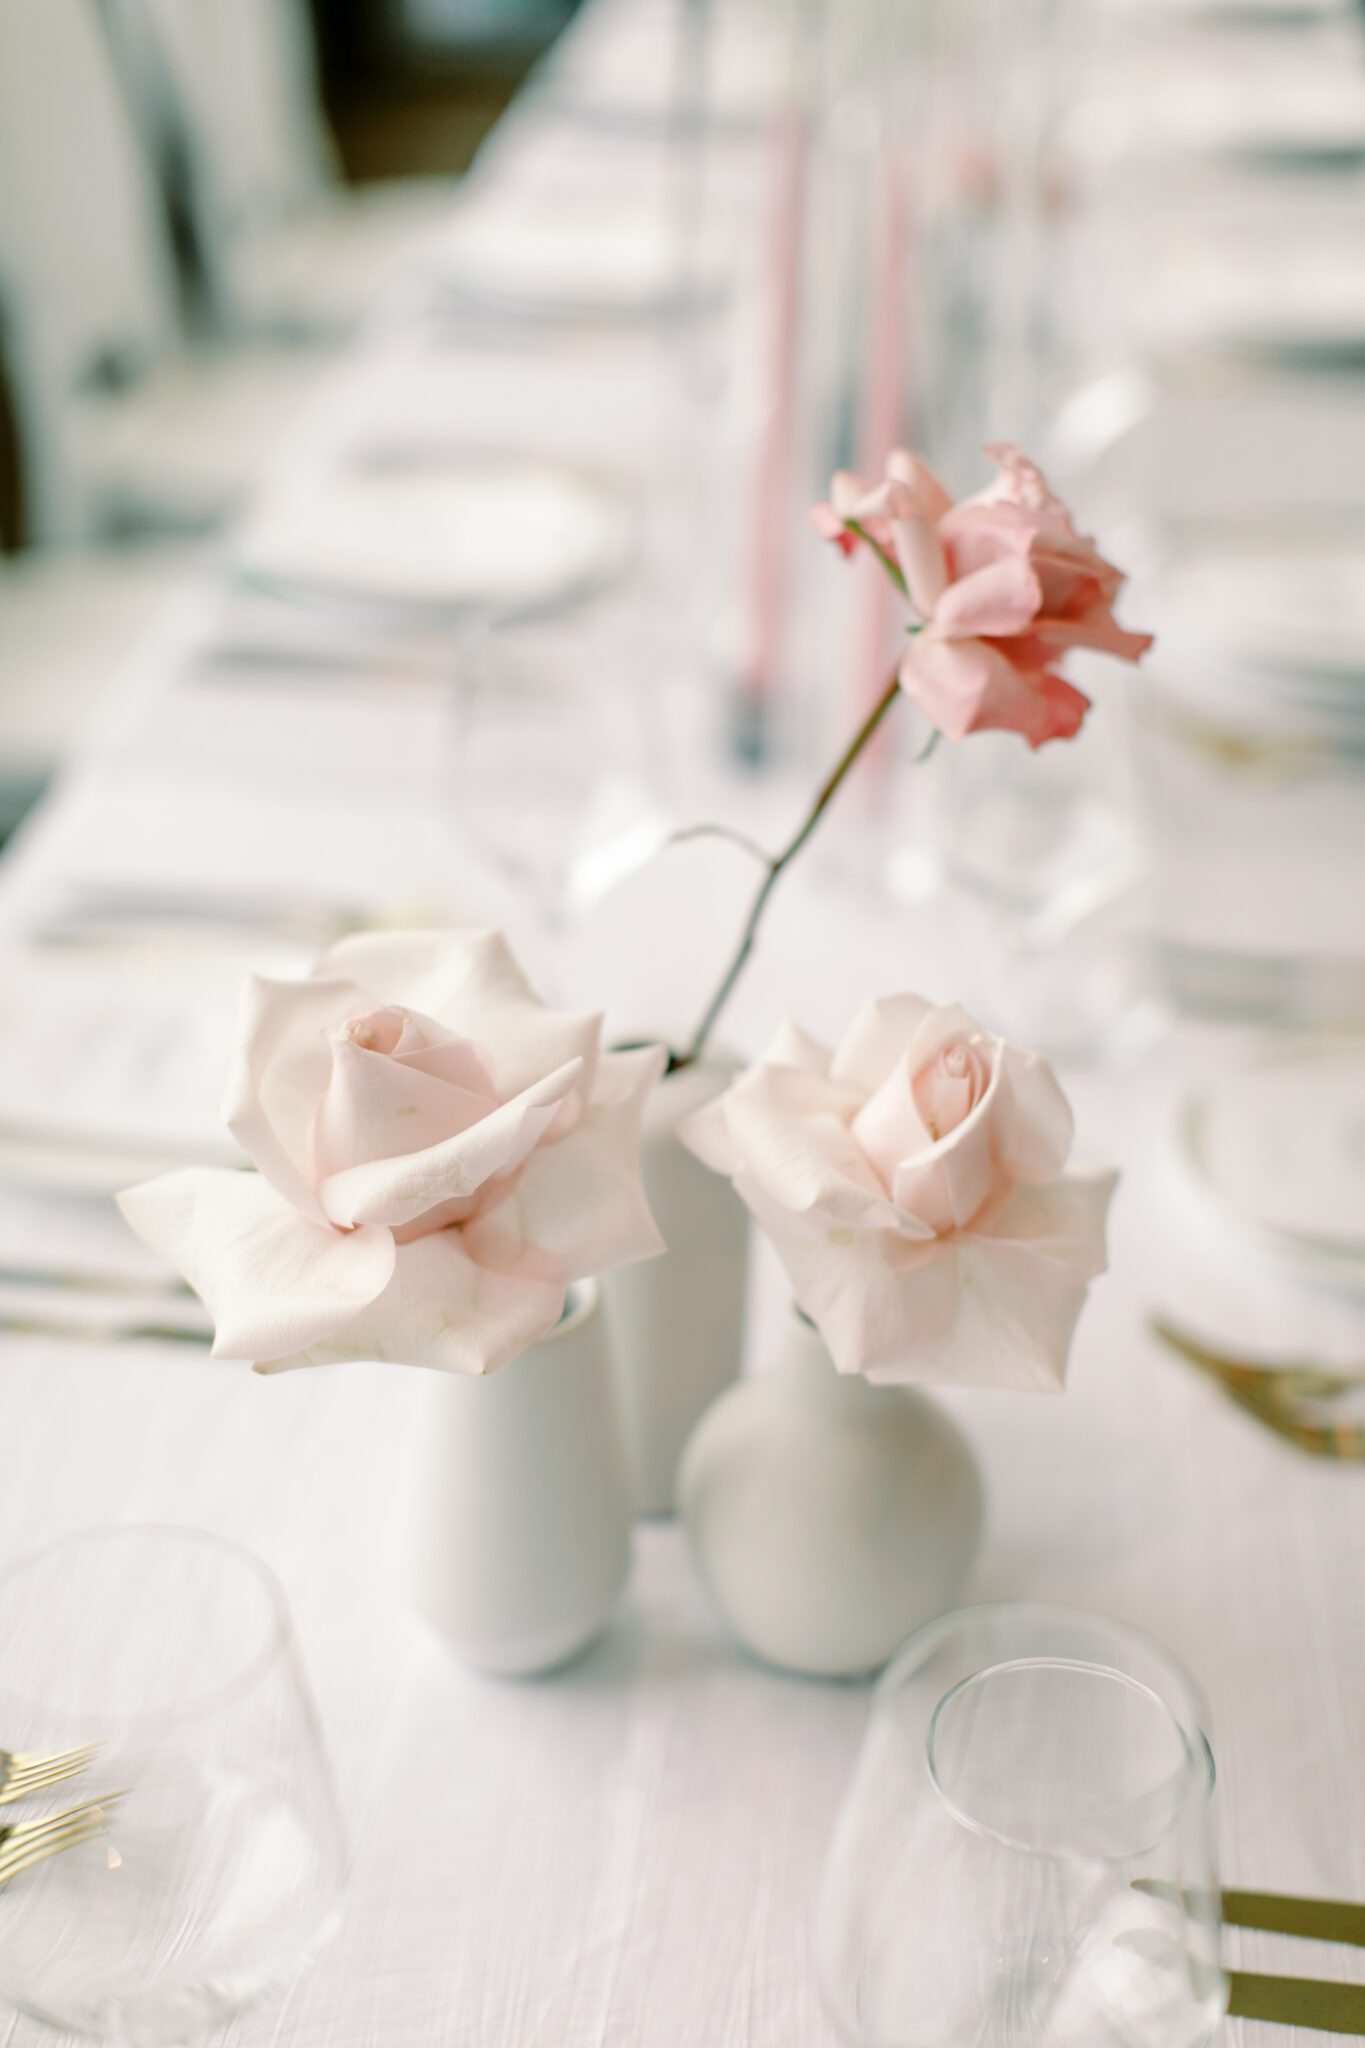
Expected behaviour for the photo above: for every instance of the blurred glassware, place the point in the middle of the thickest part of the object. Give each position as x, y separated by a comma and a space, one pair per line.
1045, 856
223, 1868
1253, 757
559, 761
1025, 1855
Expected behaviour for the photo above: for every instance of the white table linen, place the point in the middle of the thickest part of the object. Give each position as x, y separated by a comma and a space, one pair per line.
626, 1855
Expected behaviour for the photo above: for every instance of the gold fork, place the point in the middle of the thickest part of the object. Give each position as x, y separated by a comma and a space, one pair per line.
24, 1843
23, 1773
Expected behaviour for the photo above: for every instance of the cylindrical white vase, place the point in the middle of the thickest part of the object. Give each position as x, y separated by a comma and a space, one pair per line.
677, 1321
828, 1518
519, 1525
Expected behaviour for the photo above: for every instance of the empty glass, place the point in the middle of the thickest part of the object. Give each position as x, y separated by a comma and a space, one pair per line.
223, 1866
558, 760
1025, 1857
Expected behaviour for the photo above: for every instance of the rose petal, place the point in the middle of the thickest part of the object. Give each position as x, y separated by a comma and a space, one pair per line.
376, 1107
280, 1073
875, 1040
965, 686
923, 562
470, 982
871, 1293
790, 1132
927, 495
1000, 599
582, 1202
888, 1128
442, 1309
1034, 1124
947, 1181
790, 1046
272, 1281
397, 1191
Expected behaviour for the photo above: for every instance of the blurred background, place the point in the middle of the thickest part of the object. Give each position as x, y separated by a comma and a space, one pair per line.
487, 354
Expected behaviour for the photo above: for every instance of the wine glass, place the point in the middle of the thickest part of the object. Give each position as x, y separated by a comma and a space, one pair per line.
1025, 1856
223, 1865
558, 751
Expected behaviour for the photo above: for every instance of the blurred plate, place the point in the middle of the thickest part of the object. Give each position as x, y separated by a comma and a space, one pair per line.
1280, 1146
1296, 607
575, 256
1294, 297
106, 1078
440, 537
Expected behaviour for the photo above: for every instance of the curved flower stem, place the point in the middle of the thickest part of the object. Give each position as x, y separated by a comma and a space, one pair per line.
739, 839
777, 864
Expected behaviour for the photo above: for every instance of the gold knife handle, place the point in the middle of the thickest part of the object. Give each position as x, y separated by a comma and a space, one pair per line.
1297, 2002
1308, 1919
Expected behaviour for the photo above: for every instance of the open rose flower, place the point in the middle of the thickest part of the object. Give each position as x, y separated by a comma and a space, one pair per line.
912, 1184
438, 1155
1002, 585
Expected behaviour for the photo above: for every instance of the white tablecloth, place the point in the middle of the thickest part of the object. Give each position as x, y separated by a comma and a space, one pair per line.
625, 1855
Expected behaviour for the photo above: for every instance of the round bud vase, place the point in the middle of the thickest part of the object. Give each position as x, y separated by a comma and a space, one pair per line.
828, 1518
520, 1516
677, 1321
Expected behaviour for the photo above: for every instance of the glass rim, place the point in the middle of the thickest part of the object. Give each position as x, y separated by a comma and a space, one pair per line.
278, 1635
1178, 1782
1189, 1717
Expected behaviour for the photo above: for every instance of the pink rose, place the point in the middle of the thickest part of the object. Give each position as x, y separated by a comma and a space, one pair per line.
912, 1183
438, 1156
1003, 587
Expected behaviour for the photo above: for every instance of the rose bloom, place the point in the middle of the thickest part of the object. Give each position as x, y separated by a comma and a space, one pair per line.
912, 1185
438, 1156
1003, 587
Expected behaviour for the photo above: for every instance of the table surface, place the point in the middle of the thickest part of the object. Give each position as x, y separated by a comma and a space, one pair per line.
625, 1855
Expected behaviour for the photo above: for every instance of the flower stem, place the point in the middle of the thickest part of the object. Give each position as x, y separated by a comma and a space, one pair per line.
777, 864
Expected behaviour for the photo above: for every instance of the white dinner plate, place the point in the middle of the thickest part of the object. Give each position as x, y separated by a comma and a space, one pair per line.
107, 1077
1279, 1144
1298, 607
574, 256
495, 535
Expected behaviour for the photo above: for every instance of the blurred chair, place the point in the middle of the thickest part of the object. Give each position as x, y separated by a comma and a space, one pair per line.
289, 250
66, 621
124, 429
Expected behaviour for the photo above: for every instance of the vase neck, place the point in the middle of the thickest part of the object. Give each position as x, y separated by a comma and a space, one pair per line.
807, 1367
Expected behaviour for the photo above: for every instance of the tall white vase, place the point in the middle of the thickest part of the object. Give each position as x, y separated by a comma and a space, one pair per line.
519, 1528
828, 1518
677, 1321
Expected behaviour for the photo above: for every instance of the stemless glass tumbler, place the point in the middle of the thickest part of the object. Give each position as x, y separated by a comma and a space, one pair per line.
1025, 1856
223, 1865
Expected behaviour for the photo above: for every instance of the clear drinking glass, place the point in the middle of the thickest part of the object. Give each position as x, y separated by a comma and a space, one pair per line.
559, 747
224, 1864
1025, 1856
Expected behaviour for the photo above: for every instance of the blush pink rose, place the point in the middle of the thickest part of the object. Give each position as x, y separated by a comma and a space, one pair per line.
437, 1157
1002, 585
912, 1183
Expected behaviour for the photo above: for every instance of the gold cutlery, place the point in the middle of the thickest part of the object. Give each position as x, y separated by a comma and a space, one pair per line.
25, 1843
24, 1773
1308, 1919
1287, 1396
1328, 2008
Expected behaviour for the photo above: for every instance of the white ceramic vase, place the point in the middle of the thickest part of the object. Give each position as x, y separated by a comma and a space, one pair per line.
519, 1527
677, 1321
828, 1518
